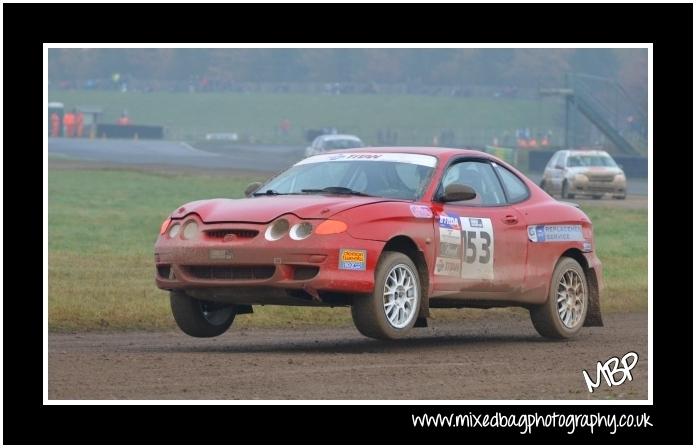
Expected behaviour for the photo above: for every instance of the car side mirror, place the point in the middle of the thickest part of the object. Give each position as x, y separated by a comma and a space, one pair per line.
458, 192
251, 188
559, 167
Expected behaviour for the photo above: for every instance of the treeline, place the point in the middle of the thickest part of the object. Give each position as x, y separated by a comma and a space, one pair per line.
509, 67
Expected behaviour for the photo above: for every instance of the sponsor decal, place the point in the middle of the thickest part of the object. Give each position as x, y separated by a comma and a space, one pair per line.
475, 222
421, 211
551, 233
352, 259
448, 266
416, 159
449, 221
478, 243
450, 236
220, 254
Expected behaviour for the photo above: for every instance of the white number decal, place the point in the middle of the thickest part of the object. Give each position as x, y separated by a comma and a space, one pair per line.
477, 248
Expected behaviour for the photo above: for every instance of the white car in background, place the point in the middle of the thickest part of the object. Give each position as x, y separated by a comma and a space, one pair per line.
583, 172
330, 142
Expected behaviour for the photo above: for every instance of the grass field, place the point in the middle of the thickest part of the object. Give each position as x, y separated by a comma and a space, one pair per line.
416, 118
102, 224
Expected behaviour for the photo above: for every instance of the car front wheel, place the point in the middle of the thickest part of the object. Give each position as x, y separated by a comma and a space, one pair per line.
392, 309
200, 318
563, 314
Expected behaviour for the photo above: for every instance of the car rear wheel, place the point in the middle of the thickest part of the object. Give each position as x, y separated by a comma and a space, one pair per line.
200, 318
392, 309
597, 196
564, 191
564, 313
620, 197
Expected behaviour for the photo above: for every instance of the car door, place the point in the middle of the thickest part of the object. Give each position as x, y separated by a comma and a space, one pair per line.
481, 243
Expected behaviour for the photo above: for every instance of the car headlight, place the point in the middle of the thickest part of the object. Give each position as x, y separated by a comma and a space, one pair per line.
580, 178
174, 230
276, 230
300, 230
190, 231
165, 224
331, 226
620, 178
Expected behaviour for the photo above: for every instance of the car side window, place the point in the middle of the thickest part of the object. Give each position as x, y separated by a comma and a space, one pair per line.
480, 177
561, 160
515, 188
554, 160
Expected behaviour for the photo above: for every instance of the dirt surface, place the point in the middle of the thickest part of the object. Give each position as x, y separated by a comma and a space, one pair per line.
501, 357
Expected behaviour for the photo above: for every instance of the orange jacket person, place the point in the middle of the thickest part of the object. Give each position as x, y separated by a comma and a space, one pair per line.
124, 120
80, 124
55, 125
69, 122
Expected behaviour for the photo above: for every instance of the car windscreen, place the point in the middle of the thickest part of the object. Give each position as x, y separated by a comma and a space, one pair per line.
344, 143
389, 175
591, 160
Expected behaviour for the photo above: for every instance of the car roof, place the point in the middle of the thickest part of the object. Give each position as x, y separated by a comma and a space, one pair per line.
589, 152
427, 150
338, 137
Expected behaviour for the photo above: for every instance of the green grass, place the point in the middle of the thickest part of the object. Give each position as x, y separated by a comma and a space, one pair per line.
102, 225
621, 241
189, 116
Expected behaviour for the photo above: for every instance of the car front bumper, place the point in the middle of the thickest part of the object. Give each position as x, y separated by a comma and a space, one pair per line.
590, 187
253, 270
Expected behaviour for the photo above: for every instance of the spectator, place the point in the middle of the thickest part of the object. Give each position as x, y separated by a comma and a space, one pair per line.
124, 120
79, 124
532, 142
55, 125
69, 122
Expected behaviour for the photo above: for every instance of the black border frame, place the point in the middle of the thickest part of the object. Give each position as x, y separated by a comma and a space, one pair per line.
27, 420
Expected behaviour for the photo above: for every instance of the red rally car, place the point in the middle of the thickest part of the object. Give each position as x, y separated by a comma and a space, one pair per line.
390, 232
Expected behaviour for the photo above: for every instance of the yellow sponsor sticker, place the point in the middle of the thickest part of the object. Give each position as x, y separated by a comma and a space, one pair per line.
352, 259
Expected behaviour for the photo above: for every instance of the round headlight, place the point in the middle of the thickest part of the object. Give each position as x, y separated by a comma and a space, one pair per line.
190, 230
301, 231
174, 230
580, 178
276, 230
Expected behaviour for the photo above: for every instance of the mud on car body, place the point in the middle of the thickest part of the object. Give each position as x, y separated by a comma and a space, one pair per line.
390, 232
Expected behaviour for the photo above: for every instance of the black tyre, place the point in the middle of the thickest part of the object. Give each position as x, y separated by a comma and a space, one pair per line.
564, 313
597, 196
199, 318
392, 309
564, 191
542, 185
620, 197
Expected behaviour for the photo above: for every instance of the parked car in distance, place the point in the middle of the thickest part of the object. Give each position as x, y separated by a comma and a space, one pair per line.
330, 142
583, 172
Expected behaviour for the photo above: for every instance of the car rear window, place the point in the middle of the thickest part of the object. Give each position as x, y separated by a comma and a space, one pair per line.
515, 188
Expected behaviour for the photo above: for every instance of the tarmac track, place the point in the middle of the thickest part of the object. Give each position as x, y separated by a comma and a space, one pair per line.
262, 158
496, 357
